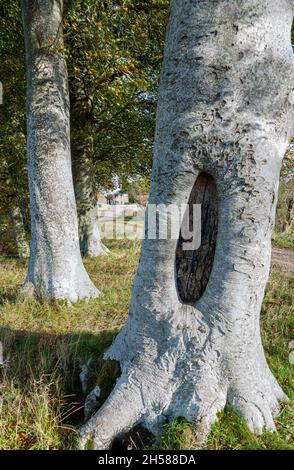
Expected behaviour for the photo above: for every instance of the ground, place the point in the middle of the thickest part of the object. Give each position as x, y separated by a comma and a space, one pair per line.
45, 344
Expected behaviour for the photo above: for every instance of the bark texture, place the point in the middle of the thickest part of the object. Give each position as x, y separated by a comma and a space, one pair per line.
226, 109
55, 267
85, 178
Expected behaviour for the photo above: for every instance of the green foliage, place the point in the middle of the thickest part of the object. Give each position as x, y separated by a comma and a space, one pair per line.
230, 432
114, 54
13, 177
136, 188
176, 435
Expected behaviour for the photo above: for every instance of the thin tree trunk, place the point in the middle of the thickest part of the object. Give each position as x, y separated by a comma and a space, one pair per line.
21, 243
224, 110
289, 214
84, 180
55, 267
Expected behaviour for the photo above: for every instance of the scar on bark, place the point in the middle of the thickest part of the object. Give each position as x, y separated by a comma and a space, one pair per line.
193, 267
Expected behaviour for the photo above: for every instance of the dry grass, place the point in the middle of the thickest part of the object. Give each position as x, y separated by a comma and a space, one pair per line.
44, 344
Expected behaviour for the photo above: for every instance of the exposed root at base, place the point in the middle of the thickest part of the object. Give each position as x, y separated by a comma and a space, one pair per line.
29, 291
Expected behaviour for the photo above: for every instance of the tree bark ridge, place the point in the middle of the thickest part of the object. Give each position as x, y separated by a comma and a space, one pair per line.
55, 265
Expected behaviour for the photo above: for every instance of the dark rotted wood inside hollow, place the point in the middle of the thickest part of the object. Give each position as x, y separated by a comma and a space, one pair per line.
193, 267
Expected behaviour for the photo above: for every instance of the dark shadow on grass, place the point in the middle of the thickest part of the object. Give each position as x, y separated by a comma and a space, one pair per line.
31, 356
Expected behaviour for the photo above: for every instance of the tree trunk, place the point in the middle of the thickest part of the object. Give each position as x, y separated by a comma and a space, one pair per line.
289, 214
84, 179
224, 111
55, 267
21, 243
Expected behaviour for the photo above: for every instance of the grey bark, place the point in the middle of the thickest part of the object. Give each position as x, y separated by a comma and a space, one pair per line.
55, 267
84, 179
225, 108
21, 243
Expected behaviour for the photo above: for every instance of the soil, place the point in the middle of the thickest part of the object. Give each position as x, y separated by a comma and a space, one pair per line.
283, 260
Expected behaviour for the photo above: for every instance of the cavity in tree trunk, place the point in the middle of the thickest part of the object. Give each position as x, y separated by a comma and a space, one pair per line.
84, 175
55, 267
224, 111
21, 243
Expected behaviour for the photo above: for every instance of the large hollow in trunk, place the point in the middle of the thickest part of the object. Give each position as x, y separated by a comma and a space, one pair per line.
224, 109
55, 269
193, 267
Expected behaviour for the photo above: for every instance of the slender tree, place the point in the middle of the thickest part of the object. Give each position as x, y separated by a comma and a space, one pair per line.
84, 174
20, 236
112, 122
224, 118
55, 266
114, 59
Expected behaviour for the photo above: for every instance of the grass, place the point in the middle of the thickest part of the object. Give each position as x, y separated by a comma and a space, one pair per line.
44, 345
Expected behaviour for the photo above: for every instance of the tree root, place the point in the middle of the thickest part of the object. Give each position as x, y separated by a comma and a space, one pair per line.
29, 291
122, 411
142, 398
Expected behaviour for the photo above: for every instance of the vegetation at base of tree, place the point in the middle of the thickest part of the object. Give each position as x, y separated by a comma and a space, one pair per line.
230, 432
45, 343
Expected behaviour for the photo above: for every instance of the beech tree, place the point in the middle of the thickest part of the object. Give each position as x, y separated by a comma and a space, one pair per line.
55, 268
192, 342
114, 56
